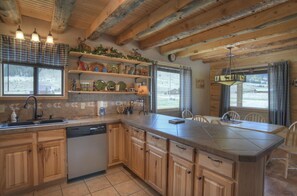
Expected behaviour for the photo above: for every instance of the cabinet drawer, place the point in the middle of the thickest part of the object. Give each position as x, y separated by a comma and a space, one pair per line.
182, 150
16, 139
216, 164
157, 141
138, 133
51, 135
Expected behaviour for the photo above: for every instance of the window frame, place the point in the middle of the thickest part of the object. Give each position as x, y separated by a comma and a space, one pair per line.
253, 72
35, 81
169, 70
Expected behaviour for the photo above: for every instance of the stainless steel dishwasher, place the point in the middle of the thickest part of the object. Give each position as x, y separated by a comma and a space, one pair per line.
86, 151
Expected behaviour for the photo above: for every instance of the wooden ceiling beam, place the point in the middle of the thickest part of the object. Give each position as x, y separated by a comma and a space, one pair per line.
264, 47
245, 25
260, 34
9, 12
61, 14
220, 15
256, 45
251, 54
180, 14
164, 11
113, 13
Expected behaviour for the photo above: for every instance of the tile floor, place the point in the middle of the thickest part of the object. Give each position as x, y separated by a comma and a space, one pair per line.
119, 181
116, 181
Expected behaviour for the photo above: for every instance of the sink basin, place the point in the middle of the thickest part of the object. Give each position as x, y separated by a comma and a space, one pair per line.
20, 123
51, 121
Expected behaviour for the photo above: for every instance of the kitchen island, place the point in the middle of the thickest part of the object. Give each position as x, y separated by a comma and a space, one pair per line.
227, 160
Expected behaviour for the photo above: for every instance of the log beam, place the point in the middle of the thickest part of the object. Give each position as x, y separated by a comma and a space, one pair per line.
113, 13
245, 25
220, 15
61, 14
164, 11
268, 32
9, 12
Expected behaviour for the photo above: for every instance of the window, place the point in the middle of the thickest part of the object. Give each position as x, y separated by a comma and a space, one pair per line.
168, 88
20, 80
253, 93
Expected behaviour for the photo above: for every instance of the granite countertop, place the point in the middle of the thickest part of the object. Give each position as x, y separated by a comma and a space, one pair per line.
229, 142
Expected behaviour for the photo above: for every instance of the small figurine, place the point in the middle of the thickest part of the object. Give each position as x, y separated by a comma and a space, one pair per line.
73, 87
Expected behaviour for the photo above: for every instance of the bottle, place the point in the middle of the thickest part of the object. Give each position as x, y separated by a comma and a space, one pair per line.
13, 116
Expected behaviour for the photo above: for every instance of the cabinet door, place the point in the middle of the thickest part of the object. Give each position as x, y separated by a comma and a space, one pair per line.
156, 168
51, 160
114, 144
180, 176
16, 168
137, 157
209, 183
127, 144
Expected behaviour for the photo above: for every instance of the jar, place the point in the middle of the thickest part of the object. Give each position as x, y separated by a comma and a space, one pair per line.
84, 86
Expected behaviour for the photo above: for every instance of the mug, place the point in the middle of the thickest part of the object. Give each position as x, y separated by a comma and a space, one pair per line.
132, 89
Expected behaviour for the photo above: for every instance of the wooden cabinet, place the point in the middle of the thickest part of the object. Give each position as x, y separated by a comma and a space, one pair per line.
16, 168
208, 183
114, 144
51, 160
127, 145
137, 156
180, 177
156, 168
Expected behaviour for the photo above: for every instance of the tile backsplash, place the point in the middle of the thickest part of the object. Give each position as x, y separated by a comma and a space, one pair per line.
77, 105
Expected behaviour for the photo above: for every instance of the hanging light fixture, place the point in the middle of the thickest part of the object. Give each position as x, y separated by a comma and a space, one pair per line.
49, 38
230, 78
19, 33
35, 36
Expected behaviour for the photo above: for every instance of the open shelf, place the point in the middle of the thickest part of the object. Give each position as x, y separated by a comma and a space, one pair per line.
107, 74
101, 92
107, 58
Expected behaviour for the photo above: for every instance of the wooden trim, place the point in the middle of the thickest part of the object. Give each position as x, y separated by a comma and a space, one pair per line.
107, 74
101, 92
248, 24
61, 15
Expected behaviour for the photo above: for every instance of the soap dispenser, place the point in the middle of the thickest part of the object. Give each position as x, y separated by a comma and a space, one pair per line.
13, 116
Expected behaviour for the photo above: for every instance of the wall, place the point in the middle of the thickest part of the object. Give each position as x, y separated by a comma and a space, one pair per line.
85, 105
290, 55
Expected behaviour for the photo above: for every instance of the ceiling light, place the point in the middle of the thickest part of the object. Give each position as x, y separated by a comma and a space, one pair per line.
35, 36
49, 38
230, 78
19, 33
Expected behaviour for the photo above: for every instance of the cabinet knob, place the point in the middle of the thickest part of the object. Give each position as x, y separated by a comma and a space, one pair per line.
189, 172
30, 150
141, 148
147, 151
200, 178
40, 148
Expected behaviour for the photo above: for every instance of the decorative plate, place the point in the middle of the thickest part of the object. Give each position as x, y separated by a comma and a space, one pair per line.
111, 85
122, 85
100, 85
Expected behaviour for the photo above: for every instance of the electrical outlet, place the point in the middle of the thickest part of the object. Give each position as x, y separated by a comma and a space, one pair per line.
83, 106
119, 103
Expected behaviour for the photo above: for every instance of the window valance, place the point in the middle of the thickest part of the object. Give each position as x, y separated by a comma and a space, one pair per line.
26, 52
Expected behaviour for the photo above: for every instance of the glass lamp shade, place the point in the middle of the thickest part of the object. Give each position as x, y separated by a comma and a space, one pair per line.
230, 79
143, 90
50, 39
35, 36
19, 33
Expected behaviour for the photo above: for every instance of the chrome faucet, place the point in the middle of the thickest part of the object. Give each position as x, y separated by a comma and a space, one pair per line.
35, 116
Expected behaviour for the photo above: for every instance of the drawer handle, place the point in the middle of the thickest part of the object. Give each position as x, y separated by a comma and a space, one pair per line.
155, 137
183, 148
215, 160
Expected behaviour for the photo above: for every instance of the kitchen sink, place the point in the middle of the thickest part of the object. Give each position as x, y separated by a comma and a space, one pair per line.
32, 123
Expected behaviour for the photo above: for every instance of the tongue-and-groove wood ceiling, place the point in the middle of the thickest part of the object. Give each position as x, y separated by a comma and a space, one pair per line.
198, 29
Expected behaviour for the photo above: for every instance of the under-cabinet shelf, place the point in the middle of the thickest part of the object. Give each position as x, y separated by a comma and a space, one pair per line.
101, 92
106, 58
107, 74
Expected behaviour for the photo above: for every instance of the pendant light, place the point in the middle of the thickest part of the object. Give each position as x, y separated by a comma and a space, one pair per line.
49, 38
35, 36
229, 78
19, 33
